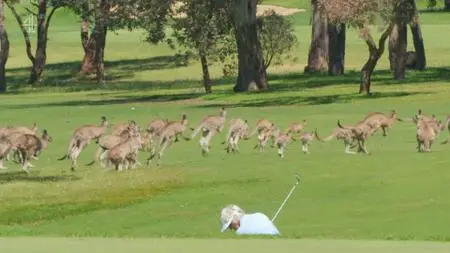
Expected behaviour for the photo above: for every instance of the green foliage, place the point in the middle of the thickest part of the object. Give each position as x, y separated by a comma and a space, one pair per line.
200, 28
277, 37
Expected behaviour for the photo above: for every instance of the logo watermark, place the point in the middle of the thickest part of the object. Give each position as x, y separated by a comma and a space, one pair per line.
30, 24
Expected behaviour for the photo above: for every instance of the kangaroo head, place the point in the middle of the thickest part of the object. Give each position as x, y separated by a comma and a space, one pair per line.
223, 112
46, 136
34, 128
104, 121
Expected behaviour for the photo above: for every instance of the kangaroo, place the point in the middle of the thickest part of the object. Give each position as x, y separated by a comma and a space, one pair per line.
296, 128
31, 145
5, 148
282, 140
426, 133
238, 130
106, 142
306, 138
168, 135
378, 120
125, 153
156, 125
421, 116
361, 131
18, 129
5, 131
81, 138
123, 128
264, 135
261, 125
214, 123
346, 135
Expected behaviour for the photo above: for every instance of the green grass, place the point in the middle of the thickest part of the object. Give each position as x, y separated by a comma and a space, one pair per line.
101, 245
394, 194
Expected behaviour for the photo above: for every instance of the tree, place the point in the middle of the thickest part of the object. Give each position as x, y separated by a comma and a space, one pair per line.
277, 37
39, 11
336, 49
250, 55
419, 47
203, 29
360, 14
4, 48
114, 15
319, 48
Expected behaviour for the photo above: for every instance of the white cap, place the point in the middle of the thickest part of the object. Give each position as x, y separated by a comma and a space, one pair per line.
230, 213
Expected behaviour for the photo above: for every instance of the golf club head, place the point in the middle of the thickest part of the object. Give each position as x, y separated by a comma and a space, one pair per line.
297, 176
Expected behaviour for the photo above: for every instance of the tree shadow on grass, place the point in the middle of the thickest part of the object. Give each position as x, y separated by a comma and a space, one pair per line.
6, 177
113, 101
65, 74
300, 81
310, 100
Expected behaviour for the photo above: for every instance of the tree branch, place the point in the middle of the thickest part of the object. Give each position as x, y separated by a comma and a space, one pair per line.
49, 18
24, 31
30, 11
383, 38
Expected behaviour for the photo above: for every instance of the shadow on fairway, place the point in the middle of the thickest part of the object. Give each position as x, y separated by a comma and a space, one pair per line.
310, 100
6, 177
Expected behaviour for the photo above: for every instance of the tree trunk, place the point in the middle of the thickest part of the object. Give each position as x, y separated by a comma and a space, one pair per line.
40, 55
400, 61
318, 50
43, 23
447, 5
393, 41
250, 56
367, 71
205, 71
419, 47
4, 49
397, 50
374, 55
99, 35
336, 49
88, 44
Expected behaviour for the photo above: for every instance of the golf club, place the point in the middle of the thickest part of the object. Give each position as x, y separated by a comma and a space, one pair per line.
287, 197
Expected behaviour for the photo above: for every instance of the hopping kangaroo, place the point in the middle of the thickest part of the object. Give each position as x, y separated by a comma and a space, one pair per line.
346, 135
296, 128
168, 135
262, 125
210, 126
238, 129
360, 132
81, 138
30, 145
306, 138
124, 128
214, 123
264, 135
14, 130
282, 140
378, 120
427, 131
106, 142
18, 129
5, 148
125, 154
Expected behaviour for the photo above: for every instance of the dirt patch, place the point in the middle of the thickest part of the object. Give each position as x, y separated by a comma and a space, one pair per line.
278, 9
259, 11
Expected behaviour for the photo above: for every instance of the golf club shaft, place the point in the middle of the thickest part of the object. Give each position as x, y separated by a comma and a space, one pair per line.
285, 200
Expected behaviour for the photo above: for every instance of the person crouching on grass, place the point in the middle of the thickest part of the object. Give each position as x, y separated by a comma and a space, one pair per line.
234, 218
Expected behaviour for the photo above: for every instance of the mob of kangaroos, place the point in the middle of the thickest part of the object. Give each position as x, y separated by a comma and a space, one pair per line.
119, 144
